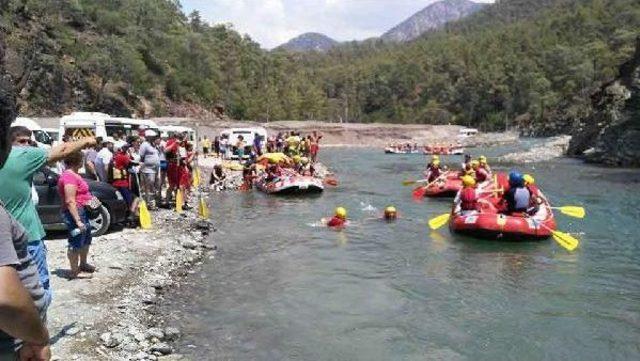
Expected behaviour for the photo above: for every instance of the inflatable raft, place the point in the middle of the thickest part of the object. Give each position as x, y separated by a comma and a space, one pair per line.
291, 184
443, 150
488, 223
448, 186
396, 151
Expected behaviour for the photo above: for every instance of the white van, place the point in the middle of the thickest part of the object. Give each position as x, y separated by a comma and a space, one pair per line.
54, 134
467, 132
38, 135
249, 135
129, 126
83, 124
169, 130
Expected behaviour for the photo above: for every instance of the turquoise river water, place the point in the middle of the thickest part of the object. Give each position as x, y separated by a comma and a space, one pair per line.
282, 287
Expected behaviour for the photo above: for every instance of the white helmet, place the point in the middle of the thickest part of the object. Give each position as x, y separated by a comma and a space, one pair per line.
150, 133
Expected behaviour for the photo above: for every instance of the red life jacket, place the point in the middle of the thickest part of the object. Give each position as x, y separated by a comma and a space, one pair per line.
336, 222
481, 175
468, 199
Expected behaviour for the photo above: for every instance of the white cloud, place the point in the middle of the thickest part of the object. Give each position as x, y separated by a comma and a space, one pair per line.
273, 22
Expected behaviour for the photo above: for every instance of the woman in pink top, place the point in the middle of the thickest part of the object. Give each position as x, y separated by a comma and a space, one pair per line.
75, 194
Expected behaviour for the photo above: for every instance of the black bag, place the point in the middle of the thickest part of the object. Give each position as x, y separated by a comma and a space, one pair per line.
93, 207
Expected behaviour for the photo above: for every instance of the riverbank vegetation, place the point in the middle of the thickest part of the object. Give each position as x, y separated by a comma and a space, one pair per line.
514, 59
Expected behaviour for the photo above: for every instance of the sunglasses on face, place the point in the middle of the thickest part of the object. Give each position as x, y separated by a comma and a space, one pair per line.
23, 141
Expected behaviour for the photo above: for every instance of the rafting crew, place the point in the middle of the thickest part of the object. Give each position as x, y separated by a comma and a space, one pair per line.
434, 171
467, 197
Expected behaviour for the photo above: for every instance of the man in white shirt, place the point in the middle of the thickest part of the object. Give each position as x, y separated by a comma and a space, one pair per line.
104, 157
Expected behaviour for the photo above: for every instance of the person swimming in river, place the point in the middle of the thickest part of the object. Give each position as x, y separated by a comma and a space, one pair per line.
390, 213
339, 220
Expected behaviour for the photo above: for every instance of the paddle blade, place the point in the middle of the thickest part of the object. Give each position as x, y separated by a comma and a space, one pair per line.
331, 181
196, 178
179, 201
566, 240
439, 221
419, 192
145, 216
408, 182
573, 211
203, 210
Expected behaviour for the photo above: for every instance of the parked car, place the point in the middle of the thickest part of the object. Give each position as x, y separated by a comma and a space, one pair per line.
113, 211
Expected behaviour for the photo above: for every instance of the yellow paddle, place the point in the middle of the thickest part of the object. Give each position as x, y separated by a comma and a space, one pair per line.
196, 178
439, 221
144, 215
572, 211
565, 240
410, 182
203, 210
179, 201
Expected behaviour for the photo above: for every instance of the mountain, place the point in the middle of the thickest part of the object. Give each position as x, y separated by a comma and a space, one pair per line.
432, 17
309, 42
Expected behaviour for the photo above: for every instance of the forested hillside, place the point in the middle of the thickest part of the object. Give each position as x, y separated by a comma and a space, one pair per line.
521, 59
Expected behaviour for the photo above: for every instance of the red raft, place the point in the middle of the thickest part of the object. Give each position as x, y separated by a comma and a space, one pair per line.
489, 223
448, 186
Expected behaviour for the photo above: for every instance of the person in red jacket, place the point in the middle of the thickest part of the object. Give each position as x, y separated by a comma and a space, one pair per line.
433, 171
467, 198
172, 149
339, 220
480, 173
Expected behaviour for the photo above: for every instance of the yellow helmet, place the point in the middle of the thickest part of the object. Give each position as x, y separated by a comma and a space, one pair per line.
475, 164
304, 160
528, 179
341, 212
482, 159
296, 159
436, 162
390, 209
468, 181
435, 157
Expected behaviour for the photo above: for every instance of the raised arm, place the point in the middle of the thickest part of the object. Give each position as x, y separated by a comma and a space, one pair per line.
61, 151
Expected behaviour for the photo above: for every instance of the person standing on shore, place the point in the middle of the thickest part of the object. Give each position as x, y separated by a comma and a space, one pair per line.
314, 147
21, 165
150, 159
74, 192
22, 298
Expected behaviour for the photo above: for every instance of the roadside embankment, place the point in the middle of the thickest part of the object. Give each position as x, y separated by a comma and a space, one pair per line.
114, 315
554, 147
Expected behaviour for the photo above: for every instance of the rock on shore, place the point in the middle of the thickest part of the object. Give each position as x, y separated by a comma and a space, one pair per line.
554, 147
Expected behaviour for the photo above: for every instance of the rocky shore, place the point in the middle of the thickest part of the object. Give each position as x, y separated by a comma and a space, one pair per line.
553, 147
114, 315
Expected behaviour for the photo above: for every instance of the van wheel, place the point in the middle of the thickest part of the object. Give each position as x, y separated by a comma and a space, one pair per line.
101, 223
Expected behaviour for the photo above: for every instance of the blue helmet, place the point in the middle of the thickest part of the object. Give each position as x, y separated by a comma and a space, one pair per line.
516, 179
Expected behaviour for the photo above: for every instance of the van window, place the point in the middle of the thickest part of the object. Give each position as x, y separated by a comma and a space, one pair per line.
42, 137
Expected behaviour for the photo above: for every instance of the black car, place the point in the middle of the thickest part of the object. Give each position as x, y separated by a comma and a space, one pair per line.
113, 211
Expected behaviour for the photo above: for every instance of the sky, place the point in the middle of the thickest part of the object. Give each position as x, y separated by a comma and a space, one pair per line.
274, 22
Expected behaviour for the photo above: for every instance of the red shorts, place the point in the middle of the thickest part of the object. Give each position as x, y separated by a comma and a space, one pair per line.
314, 149
173, 175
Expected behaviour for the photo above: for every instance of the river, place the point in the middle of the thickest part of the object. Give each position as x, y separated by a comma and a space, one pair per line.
284, 288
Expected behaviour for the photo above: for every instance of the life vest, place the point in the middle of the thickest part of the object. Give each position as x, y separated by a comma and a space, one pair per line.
468, 199
336, 222
481, 175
